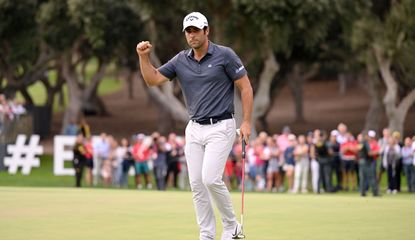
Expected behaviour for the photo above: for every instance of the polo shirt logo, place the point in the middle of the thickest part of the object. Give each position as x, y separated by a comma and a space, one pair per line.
210, 65
239, 69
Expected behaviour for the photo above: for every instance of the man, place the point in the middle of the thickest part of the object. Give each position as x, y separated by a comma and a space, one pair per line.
79, 159
383, 143
141, 153
348, 151
101, 153
366, 162
207, 74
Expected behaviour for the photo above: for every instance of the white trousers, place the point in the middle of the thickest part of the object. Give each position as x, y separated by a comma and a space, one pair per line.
207, 149
315, 174
301, 174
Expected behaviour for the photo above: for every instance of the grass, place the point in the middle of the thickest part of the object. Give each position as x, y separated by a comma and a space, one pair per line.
42, 176
68, 213
44, 206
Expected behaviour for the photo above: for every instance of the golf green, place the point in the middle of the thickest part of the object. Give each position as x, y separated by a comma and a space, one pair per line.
67, 214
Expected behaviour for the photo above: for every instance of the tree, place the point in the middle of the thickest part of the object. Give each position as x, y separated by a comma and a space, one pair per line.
294, 31
389, 37
24, 58
85, 33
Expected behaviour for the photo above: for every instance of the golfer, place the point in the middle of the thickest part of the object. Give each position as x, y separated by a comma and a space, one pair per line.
207, 73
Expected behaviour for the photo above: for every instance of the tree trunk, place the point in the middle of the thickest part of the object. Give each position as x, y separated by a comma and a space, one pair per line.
28, 99
374, 114
297, 78
74, 108
396, 113
262, 96
296, 82
91, 101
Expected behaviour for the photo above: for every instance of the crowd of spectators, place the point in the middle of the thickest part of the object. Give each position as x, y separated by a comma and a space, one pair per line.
317, 161
9, 110
151, 159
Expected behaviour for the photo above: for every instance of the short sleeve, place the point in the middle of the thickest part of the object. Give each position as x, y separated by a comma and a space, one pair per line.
233, 65
169, 69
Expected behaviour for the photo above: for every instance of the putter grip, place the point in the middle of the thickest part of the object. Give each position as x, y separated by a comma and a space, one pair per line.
243, 148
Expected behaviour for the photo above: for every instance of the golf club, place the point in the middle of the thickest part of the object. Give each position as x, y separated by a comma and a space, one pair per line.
241, 234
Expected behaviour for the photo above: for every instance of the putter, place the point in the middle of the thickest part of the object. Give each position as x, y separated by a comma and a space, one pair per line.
241, 234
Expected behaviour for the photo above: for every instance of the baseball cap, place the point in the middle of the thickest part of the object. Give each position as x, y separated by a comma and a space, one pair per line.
195, 19
371, 133
291, 137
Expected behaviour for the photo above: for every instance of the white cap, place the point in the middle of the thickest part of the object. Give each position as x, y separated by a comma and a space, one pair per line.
291, 137
195, 19
371, 133
334, 133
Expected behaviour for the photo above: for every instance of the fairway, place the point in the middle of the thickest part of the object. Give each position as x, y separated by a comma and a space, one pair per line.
66, 213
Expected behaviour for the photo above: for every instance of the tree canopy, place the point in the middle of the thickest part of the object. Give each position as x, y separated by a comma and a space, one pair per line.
280, 41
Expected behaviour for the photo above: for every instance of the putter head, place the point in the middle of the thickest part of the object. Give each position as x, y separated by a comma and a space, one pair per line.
240, 234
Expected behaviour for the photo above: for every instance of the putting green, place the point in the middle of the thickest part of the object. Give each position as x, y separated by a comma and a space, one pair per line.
66, 213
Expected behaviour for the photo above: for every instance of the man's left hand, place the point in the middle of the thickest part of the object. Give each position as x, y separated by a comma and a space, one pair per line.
245, 131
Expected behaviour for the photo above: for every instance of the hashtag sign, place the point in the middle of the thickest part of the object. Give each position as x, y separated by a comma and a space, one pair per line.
23, 155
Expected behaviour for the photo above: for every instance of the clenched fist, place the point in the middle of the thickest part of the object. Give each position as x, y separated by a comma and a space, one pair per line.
143, 47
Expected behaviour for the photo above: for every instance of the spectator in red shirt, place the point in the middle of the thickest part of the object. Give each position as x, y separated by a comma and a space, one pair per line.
349, 150
142, 154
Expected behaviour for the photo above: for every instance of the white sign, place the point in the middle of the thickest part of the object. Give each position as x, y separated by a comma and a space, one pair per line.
62, 151
23, 155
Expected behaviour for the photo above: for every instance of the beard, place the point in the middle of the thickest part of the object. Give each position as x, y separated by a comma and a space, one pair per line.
196, 43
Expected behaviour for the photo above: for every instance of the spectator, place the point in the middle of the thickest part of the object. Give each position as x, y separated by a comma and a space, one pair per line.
383, 142
260, 162
160, 162
127, 162
334, 152
79, 159
349, 150
250, 165
282, 144
407, 162
374, 153
237, 152
142, 152
397, 136
89, 156
84, 128
341, 133
183, 175
5, 110
314, 165
173, 165
366, 167
71, 129
273, 166
302, 163
290, 161
321, 153
108, 165
228, 172
390, 161
17, 108
101, 153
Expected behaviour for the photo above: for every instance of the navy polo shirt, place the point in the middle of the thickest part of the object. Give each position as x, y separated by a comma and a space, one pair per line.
208, 84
